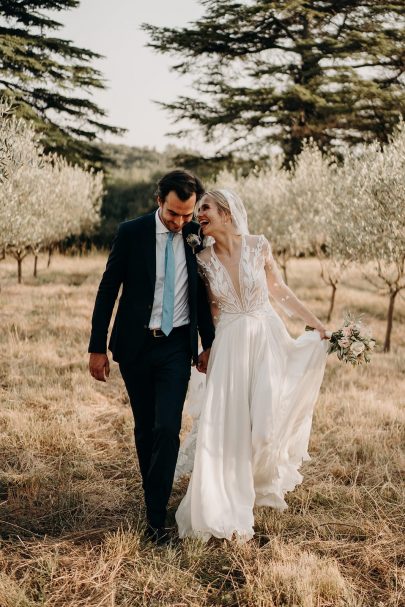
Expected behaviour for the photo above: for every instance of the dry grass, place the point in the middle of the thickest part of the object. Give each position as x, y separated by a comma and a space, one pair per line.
71, 513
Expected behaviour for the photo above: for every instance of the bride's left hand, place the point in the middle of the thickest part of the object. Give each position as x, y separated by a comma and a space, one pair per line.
324, 333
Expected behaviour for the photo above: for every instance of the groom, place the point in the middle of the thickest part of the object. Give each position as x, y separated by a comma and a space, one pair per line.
154, 337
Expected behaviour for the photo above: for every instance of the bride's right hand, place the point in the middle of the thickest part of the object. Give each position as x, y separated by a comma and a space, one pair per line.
203, 361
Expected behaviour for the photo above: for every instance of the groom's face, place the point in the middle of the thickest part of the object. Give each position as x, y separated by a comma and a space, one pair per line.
175, 213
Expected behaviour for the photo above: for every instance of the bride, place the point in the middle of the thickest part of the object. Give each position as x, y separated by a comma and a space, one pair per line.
261, 386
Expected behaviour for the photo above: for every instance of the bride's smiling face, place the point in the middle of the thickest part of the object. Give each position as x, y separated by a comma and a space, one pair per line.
210, 218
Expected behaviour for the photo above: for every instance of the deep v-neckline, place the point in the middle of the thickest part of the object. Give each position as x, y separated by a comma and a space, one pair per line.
227, 274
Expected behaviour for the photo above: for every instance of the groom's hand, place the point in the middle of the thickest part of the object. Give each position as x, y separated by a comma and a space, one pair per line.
203, 360
99, 366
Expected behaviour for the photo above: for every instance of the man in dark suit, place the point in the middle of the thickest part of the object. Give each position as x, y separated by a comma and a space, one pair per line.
155, 334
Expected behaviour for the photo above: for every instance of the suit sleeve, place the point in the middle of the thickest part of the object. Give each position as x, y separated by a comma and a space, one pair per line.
205, 324
108, 291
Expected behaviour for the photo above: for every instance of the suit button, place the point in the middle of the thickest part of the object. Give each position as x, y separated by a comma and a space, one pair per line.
150, 306
145, 326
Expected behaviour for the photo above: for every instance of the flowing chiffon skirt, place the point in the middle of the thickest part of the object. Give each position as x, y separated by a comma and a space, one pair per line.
254, 424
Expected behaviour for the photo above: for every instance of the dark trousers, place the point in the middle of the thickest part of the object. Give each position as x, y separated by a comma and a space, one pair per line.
156, 383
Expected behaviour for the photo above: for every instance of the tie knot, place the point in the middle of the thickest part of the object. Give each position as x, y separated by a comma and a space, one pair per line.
171, 235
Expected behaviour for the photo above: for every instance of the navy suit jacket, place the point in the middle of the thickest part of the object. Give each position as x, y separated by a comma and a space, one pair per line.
132, 264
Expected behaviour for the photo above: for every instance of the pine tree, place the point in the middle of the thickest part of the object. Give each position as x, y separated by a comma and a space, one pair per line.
49, 80
278, 72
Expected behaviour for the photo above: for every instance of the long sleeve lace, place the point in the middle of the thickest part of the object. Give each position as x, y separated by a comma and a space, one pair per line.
282, 294
211, 300
204, 261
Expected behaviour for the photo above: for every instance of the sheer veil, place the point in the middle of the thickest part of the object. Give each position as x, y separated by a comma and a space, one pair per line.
238, 211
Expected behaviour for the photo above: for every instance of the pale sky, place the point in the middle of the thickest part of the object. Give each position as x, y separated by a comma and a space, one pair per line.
135, 75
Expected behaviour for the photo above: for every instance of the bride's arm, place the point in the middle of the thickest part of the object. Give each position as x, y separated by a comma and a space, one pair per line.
203, 273
213, 304
283, 294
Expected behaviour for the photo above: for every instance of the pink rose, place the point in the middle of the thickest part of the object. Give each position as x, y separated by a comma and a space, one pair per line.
344, 342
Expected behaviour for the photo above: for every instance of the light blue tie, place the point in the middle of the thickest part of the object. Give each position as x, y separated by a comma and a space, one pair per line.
168, 289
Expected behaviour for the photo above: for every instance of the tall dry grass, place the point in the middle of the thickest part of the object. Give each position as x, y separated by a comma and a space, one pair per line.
71, 513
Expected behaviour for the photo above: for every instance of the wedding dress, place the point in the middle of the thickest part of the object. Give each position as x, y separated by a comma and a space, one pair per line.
254, 417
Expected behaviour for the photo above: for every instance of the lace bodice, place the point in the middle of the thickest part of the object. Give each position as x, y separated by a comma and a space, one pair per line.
244, 287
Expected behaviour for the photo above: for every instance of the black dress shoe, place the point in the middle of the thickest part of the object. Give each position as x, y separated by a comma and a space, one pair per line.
158, 535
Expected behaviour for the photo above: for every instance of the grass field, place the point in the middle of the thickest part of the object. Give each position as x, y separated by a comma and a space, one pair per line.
71, 513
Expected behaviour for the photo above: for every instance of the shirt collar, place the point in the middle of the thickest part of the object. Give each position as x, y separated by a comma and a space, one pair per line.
160, 226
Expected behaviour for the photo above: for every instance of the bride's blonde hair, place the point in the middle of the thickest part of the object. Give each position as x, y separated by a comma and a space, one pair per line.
219, 199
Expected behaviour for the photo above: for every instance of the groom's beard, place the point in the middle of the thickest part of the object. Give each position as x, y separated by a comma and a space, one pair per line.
171, 225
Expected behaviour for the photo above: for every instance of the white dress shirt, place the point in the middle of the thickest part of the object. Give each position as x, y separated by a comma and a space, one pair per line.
181, 308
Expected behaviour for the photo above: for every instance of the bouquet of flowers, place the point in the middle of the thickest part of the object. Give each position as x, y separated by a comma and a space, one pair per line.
352, 343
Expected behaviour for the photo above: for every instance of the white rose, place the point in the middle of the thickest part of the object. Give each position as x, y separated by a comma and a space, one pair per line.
357, 348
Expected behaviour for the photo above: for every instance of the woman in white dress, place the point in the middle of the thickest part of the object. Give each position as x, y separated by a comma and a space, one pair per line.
261, 385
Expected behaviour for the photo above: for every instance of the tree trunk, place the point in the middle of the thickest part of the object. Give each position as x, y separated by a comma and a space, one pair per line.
50, 251
35, 265
390, 317
332, 301
19, 271
284, 268
283, 263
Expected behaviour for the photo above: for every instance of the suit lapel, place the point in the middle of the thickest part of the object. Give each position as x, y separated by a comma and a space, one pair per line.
191, 263
150, 248
190, 258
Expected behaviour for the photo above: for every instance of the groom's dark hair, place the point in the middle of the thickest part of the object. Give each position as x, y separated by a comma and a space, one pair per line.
182, 182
